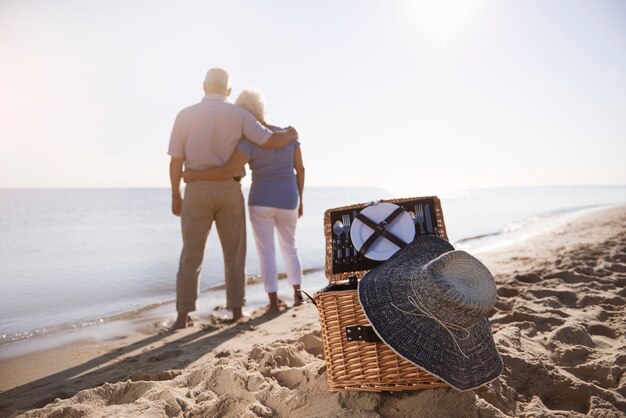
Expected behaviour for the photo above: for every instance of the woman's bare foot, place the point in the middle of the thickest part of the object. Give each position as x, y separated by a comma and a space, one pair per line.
275, 303
182, 321
297, 295
272, 309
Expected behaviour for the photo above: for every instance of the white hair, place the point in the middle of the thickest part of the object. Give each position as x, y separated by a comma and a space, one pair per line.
253, 101
217, 78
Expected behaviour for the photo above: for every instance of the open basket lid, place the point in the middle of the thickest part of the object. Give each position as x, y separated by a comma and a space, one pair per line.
337, 271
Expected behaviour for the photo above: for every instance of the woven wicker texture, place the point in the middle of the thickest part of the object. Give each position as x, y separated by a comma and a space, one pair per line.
358, 365
336, 273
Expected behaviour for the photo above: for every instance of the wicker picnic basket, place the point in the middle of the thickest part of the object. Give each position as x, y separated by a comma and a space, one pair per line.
356, 359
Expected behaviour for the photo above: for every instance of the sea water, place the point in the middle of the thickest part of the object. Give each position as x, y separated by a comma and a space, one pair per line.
77, 257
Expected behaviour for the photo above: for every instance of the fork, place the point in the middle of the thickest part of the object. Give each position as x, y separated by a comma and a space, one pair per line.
419, 218
337, 230
346, 230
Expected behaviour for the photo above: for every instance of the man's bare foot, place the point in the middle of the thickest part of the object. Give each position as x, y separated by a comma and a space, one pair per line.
182, 321
237, 314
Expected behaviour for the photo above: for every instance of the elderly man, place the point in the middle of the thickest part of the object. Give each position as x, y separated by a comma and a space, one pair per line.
204, 136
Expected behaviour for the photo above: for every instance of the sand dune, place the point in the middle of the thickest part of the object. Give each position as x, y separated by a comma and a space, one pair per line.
559, 323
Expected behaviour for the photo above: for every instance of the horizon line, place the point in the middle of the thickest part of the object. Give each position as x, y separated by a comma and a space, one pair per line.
313, 186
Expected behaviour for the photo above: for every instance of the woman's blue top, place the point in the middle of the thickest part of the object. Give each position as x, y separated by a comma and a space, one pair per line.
273, 177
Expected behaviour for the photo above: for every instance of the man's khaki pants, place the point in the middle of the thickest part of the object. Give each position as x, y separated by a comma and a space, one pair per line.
205, 202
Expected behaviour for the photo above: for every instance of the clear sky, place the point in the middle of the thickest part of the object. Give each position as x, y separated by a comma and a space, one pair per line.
412, 95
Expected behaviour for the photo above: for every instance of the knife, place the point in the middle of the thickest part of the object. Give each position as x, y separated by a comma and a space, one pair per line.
429, 225
354, 251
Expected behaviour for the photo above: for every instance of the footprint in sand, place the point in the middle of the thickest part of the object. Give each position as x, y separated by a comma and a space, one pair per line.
543, 322
574, 334
603, 372
222, 354
279, 355
617, 268
570, 277
290, 363
528, 278
313, 343
164, 356
502, 305
602, 330
586, 271
602, 300
507, 292
566, 297
150, 377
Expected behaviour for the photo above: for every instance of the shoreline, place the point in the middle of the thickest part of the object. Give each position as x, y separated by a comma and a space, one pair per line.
45, 336
129, 316
558, 324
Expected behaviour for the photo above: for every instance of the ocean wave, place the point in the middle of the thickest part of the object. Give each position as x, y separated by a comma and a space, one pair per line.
526, 224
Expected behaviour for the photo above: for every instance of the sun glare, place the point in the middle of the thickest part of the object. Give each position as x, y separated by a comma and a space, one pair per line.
442, 17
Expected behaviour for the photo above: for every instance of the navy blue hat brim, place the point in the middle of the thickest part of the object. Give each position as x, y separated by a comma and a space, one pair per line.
422, 340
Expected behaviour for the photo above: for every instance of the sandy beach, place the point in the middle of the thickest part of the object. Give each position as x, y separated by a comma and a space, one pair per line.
559, 324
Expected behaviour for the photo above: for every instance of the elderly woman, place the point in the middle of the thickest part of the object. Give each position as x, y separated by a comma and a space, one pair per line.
275, 199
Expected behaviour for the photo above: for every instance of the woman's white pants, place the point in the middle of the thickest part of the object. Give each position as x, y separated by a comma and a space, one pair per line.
264, 221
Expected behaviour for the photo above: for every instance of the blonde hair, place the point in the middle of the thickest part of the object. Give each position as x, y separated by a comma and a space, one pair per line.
253, 101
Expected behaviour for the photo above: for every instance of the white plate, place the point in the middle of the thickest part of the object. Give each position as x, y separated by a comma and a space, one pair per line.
402, 227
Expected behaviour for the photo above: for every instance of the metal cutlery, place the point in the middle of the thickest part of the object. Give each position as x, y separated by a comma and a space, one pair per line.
429, 220
355, 253
414, 221
346, 230
419, 218
338, 230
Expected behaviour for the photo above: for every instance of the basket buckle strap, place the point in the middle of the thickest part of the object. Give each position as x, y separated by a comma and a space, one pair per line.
309, 296
379, 230
362, 333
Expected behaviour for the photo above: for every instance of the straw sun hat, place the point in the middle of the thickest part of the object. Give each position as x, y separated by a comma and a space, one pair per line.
429, 304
